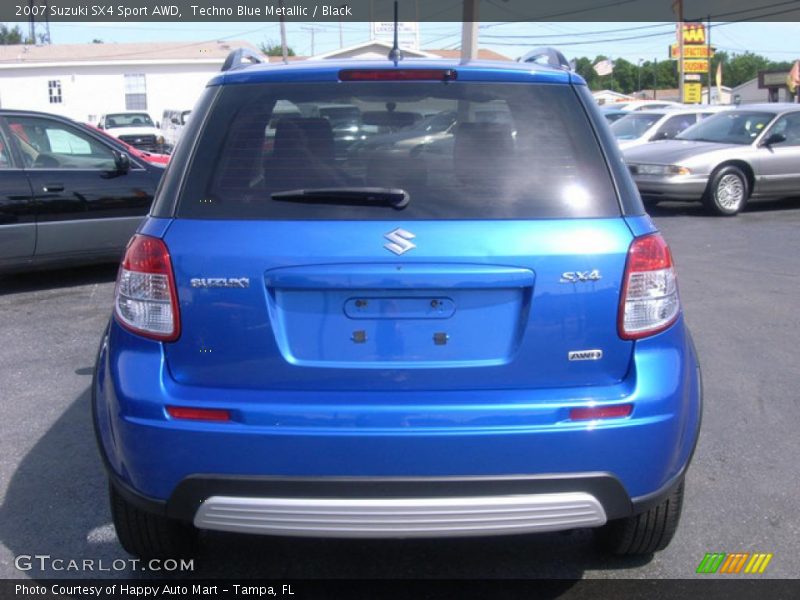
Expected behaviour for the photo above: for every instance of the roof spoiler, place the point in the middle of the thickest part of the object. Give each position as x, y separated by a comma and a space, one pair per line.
238, 59
553, 56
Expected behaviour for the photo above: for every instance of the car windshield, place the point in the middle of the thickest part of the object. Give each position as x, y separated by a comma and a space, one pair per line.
633, 126
502, 151
732, 127
129, 120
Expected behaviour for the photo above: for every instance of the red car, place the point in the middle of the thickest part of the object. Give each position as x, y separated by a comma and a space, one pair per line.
158, 159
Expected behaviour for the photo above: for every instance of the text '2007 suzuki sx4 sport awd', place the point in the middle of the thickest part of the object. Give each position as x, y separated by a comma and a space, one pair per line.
396, 299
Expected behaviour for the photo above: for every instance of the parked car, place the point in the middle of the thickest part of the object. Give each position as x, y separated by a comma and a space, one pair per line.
151, 157
750, 152
172, 123
637, 105
614, 115
67, 195
642, 127
300, 348
134, 128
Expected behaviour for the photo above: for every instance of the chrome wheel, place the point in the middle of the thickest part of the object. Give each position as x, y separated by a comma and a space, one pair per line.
730, 191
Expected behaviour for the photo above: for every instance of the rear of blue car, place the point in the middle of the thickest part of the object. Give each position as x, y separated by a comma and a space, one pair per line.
468, 332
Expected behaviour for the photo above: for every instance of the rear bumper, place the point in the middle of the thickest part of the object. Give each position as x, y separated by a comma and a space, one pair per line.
477, 449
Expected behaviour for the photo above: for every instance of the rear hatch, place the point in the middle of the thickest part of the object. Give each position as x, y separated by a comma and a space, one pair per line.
479, 305
486, 258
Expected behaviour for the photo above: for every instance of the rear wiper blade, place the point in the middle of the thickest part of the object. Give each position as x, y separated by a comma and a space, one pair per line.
357, 196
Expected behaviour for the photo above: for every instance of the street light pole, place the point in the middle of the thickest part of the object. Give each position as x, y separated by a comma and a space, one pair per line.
639, 75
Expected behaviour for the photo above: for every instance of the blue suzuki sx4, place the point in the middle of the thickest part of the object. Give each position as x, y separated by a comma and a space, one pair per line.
379, 299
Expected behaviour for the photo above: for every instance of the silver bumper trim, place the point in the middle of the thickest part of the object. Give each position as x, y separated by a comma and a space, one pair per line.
401, 517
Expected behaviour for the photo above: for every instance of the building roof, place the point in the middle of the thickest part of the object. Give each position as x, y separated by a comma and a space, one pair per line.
672, 94
483, 54
381, 48
207, 51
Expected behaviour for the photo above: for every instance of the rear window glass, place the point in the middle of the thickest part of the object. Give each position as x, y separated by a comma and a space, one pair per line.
455, 150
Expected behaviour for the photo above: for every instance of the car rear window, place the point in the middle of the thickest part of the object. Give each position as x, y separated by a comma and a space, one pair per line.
457, 150
633, 126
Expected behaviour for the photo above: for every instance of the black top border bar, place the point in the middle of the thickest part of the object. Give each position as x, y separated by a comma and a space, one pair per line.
267, 11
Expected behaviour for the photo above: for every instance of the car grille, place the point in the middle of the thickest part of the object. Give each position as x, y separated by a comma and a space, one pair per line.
139, 141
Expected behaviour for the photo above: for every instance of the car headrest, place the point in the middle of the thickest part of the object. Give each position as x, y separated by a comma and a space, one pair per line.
298, 138
482, 149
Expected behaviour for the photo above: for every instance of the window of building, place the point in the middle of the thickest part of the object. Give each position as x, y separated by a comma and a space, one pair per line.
54, 91
135, 91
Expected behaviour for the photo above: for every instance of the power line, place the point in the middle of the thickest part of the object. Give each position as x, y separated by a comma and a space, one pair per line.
527, 17
583, 33
653, 35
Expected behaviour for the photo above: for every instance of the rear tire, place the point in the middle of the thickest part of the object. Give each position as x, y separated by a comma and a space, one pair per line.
727, 192
645, 533
147, 535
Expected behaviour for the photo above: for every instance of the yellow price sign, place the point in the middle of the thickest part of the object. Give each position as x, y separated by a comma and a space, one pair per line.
690, 52
695, 66
692, 92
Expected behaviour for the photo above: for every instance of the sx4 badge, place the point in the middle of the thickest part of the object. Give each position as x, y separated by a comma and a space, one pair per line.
580, 276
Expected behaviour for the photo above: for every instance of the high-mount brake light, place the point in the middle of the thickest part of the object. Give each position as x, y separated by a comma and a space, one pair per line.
397, 75
649, 302
145, 299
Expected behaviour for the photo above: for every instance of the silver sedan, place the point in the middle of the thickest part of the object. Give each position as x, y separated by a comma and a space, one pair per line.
753, 151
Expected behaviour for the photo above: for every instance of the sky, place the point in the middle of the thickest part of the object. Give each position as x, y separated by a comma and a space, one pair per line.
777, 41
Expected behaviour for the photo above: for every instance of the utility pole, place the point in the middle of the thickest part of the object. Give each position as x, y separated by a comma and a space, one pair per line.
708, 53
312, 31
284, 46
680, 50
655, 78
44, 11
639, 75
341, 35
469, 31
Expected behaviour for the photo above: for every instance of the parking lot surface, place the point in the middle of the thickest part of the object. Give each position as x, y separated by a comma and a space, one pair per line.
740, 288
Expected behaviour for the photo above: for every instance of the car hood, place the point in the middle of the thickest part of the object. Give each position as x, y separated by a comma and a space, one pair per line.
670, 152
118, 131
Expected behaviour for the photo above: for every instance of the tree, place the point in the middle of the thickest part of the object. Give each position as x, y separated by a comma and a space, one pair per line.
270, 48
97, 41
13, 36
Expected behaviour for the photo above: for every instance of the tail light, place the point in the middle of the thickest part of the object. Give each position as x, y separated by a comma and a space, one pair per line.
649, 302
145, 300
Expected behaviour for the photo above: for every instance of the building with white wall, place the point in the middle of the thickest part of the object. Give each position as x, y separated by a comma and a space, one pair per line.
84, 81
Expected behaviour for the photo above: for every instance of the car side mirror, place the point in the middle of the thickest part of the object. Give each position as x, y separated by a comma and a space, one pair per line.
158, 124
775, 138
175, 121
100, 126
122, 162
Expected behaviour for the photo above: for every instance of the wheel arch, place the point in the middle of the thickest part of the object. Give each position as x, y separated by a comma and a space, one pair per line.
743, 165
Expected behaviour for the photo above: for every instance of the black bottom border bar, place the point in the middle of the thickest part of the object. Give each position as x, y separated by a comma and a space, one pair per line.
711, 588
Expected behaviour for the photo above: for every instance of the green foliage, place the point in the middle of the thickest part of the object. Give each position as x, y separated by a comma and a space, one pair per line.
663, 74
272, 49
13, 36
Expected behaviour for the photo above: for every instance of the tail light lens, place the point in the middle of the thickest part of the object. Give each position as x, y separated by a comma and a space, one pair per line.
145, 300
649, 301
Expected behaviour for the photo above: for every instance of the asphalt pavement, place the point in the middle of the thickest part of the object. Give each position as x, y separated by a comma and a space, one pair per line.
740, 288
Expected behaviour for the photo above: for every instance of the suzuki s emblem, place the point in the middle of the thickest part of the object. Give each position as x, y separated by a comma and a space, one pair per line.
399, 241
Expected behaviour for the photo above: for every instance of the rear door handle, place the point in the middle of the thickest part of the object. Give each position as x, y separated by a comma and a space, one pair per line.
53, 187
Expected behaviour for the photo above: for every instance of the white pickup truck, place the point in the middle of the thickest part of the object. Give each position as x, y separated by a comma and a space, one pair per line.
134, 128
